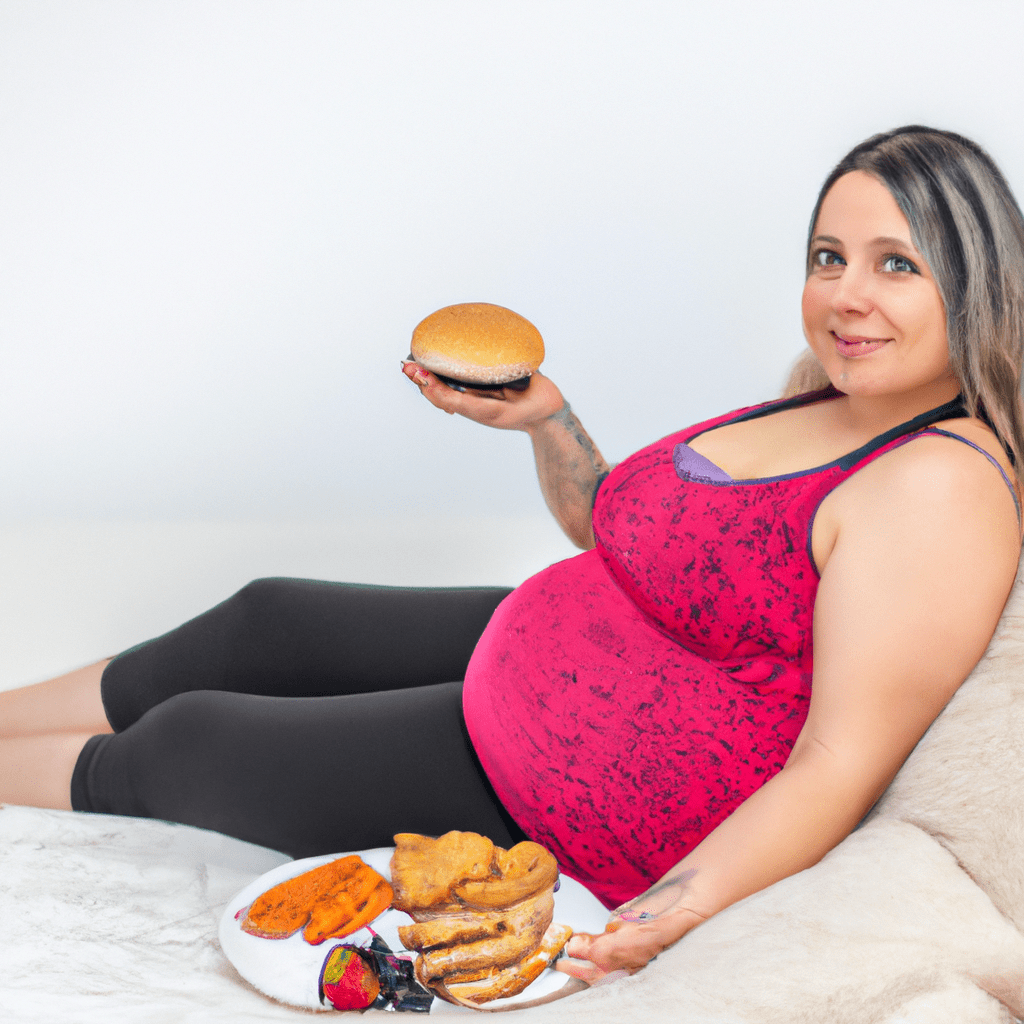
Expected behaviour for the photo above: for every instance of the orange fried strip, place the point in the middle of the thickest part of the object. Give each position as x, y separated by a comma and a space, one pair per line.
284, 909
343, 890
347, 908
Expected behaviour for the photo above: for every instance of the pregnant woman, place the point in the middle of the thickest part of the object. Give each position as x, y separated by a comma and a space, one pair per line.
772, 608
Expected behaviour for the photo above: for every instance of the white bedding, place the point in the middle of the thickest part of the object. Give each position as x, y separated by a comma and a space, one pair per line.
115, 919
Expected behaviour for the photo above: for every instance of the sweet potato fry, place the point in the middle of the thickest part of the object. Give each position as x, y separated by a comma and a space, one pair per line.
346, 908
334, 895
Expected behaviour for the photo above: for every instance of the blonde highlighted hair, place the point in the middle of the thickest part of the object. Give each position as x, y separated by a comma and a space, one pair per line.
966, 223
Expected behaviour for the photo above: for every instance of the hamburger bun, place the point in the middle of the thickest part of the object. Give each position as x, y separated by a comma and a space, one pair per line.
478, 345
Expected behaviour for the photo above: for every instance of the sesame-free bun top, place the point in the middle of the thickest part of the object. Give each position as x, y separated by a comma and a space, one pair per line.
478, 343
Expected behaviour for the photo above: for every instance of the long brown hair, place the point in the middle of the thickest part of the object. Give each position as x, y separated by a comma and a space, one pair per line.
966, 223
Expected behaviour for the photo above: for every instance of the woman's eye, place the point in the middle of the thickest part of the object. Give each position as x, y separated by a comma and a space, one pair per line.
828, 258
898, 265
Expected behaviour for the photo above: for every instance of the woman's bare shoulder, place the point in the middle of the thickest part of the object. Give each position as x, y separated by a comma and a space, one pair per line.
980, 433
932, 465
938, 468
933, 490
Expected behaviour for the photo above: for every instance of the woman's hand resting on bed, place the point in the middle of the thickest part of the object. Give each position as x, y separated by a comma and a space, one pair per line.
637, 932
624, 945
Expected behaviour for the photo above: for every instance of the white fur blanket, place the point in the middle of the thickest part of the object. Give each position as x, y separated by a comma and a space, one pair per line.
915, 919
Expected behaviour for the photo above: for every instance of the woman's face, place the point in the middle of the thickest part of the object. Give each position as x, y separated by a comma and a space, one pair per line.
872, 311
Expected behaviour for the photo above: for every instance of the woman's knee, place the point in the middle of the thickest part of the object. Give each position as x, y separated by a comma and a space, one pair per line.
188, 719
261, 599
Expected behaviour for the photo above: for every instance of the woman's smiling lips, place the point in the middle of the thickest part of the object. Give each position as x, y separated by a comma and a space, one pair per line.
852, 346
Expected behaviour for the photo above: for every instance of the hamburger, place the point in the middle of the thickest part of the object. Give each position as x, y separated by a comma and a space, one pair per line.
478, 345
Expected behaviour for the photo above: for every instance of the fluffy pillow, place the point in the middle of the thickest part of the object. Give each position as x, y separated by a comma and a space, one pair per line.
964, 783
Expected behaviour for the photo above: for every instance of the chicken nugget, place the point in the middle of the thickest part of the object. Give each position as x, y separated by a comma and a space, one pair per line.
424, 871
457, 962
522, 871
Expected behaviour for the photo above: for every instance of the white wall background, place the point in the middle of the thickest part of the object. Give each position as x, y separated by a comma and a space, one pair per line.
221, 219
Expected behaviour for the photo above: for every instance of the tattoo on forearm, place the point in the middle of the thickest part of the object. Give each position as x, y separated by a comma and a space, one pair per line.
641, 907
675, 882
570, 469
565, 418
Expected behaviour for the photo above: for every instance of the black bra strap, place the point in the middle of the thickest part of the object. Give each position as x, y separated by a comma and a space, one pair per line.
953, 410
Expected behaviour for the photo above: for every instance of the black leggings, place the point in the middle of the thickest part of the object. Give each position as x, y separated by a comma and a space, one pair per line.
305, 716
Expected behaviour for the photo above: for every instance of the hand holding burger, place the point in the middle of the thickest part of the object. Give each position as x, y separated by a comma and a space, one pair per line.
465, 357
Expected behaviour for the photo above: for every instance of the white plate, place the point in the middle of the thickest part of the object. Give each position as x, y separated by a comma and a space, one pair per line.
289, 969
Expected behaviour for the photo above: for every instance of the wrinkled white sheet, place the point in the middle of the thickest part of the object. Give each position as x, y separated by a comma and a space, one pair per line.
115, 919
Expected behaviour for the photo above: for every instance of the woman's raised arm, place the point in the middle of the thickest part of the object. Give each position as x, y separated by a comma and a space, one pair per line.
924, 556
569, 466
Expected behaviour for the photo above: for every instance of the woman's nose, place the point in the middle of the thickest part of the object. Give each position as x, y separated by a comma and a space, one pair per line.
852, 292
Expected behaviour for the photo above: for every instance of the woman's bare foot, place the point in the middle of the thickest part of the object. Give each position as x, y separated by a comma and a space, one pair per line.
67, 704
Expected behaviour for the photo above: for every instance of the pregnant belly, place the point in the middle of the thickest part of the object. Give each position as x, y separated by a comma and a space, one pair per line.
610, 743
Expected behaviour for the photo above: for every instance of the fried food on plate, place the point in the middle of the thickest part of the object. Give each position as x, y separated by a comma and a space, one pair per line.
509, 981
348, 907
467, 925
424, 871
524, 870
518, 934
330, 901
484, 915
